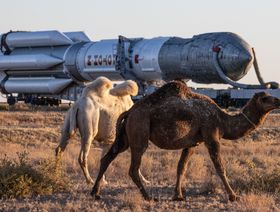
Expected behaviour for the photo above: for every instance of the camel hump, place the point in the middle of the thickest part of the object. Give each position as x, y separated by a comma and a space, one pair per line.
174, 88
128, 87
100, 87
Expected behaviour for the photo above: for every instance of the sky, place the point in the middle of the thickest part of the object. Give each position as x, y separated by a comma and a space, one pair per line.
257, 21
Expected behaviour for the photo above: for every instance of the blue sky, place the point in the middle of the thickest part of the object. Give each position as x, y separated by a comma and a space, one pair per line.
257, 21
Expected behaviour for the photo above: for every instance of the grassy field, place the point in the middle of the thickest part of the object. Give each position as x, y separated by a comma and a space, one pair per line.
252, 164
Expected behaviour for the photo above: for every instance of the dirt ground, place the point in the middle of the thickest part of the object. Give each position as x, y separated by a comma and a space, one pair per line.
247, 160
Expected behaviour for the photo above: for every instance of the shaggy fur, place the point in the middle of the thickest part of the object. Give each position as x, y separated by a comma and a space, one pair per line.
175, 118
95, 114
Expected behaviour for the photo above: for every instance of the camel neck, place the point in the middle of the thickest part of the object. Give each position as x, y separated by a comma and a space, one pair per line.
242, 123
249, 120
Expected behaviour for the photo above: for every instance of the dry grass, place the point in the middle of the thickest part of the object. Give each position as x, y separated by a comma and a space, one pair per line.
253, 202
252, 164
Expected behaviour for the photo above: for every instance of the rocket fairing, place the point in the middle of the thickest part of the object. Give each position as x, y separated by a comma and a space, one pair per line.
51, 62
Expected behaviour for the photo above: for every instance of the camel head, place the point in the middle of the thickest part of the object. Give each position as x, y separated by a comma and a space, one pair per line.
265, 102
128, 87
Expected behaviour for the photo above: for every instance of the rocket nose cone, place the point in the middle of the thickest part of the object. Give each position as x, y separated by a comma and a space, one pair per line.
237, 57
245, 57
243, 62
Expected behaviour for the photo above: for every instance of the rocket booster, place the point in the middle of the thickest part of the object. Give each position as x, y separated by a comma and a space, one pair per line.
50, 62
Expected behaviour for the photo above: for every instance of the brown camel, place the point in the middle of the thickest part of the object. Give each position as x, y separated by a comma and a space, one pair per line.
175, 118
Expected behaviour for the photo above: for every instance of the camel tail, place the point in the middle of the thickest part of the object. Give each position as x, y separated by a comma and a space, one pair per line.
72, 121
121, 143
68, 129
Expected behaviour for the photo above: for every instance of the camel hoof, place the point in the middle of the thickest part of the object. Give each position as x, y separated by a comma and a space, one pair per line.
151, 199
90, 181
104, 181
57, 151
233, 198
95, 196
178, 198
147, 198
147, 182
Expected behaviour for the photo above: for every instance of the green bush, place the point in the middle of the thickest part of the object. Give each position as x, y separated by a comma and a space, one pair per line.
21, 178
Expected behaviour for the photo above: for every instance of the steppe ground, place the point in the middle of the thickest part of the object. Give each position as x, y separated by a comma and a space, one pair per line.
250, 163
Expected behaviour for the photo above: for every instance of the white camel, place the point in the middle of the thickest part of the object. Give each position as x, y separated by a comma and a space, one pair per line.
95, 114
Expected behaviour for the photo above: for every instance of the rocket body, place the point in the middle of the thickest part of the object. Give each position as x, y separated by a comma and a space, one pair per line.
51, 62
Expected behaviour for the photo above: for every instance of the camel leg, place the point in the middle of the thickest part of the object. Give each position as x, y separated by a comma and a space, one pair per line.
105, 149
136, 157
104, 164
181, 170
88, 127
83, 156
138, 139
214, 151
